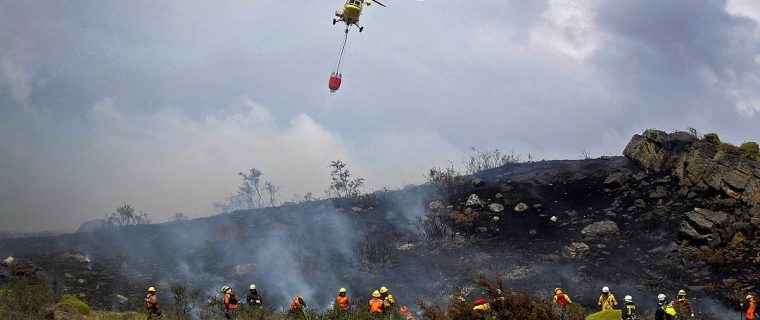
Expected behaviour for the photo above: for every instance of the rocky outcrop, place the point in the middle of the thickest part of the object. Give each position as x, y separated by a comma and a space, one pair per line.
707, 167
656, 150
699, 164
706, 227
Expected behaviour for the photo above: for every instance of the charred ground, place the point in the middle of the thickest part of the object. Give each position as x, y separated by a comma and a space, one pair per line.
580, 225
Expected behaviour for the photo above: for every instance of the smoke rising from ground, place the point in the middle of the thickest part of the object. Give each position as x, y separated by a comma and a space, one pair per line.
112, 102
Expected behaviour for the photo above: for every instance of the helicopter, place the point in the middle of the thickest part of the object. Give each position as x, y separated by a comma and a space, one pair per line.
351, 12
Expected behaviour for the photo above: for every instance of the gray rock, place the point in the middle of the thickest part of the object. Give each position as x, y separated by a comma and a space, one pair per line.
495, 207
436, 205
656, 150
659, 193
600, 229
702, 226
577, 250
617, 180
8, 261
478, 182
520, 207
120, 299
473, 201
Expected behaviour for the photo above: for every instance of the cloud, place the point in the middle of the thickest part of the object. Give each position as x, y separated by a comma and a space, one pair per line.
160, 103
162, 162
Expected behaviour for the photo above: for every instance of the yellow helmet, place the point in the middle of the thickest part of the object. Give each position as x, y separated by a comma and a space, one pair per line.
376, 294
342, 290
224, 289
151, 289
681, 292
383, 289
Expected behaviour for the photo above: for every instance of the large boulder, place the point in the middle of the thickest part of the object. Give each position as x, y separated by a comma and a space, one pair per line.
705, 165
473, 201
706, 227
656, 150
600, 229
617, 180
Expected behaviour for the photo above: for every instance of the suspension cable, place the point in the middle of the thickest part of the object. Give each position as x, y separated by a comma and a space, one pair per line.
342, 49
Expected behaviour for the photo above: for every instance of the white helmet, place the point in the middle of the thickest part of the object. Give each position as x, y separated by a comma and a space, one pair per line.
661, 297
628, 299
252, 287
605, 290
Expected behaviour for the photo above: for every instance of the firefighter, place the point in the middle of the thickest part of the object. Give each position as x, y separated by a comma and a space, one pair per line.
388, 300
665, 310
607, 300
682, 304
253, 298
341, 300
376, 303
629, 309
298, 304
561, 298
151, 304
230, 302
481, 305
749, 309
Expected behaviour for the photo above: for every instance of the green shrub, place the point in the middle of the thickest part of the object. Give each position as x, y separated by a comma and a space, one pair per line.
728, 148
712, 137
606, 315
73, 303
750, 149
24, 296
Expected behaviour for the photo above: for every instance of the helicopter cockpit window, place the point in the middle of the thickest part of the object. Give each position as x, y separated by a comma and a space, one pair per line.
356, 2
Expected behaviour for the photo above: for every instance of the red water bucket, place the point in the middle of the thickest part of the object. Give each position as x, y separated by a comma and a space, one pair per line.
334, 82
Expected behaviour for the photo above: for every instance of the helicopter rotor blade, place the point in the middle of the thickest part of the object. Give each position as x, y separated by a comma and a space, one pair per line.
378, 2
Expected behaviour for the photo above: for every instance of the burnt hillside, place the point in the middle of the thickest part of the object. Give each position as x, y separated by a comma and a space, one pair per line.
641, 224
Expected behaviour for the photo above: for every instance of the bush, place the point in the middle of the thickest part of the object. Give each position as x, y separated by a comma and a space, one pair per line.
728, 148
72, 302
712, 137
750, 149
24, 296
433, 229
447, 181
369, 253
485, 160
462, 221
606, 315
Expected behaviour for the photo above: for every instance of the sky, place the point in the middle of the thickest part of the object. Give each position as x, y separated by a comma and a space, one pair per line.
160, 103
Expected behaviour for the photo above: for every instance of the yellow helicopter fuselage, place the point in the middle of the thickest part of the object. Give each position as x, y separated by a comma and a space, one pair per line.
351, 12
